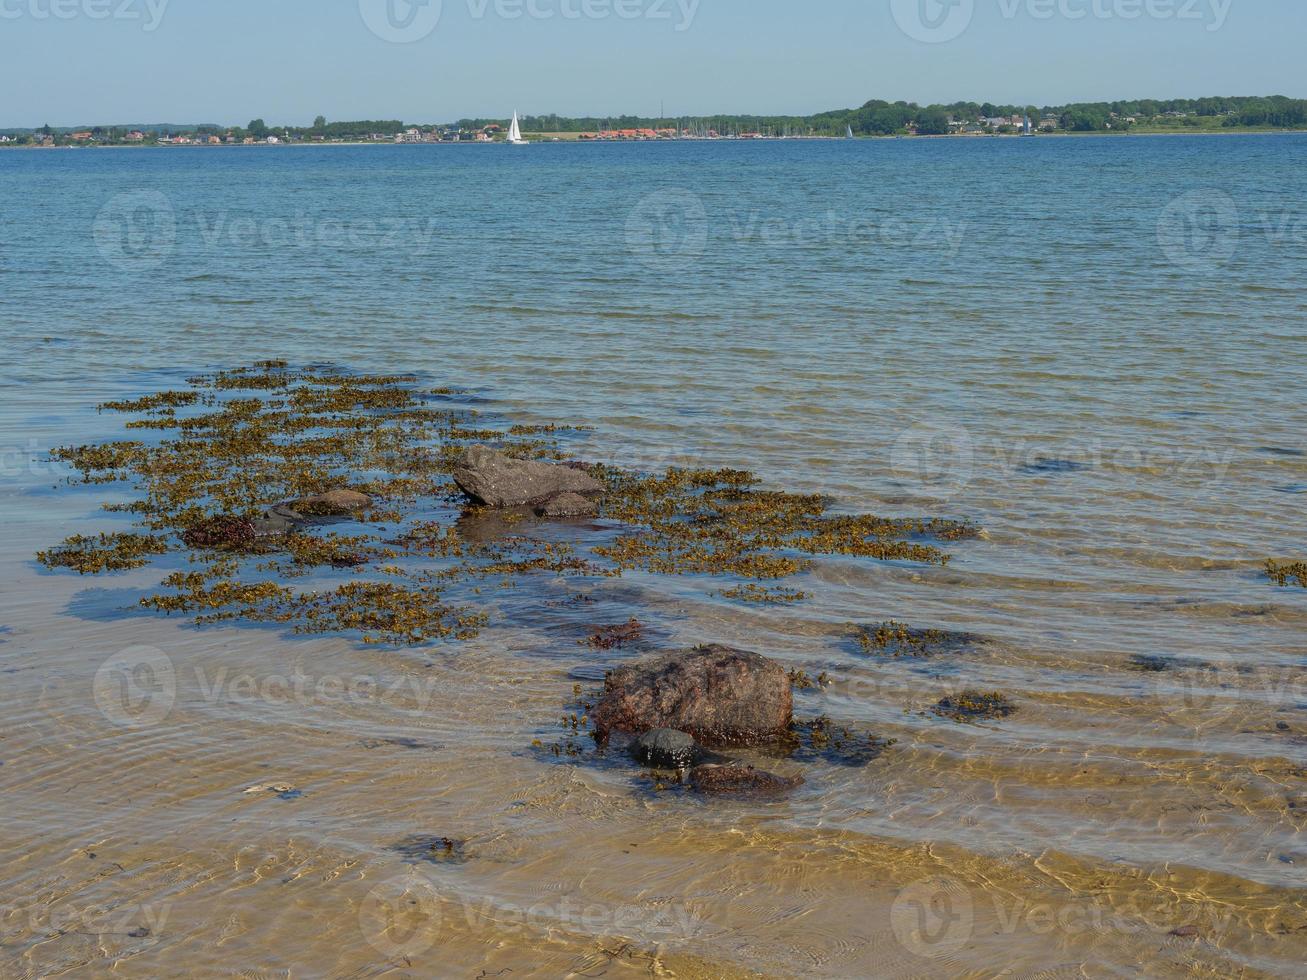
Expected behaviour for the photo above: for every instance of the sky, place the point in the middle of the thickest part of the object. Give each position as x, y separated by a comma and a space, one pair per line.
85, 62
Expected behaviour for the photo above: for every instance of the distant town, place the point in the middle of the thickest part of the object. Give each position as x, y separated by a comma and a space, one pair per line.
874, 118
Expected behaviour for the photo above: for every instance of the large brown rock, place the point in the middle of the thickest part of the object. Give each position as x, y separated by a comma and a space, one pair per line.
496, 480
716, 694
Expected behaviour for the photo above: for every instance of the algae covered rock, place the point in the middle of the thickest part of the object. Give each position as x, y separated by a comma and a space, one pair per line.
494, 479
334, 503
735, 780
718, 695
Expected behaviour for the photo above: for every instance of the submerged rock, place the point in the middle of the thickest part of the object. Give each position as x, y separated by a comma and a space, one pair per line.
716, 694
277, 521
334, 503
493, 479
738, 780
568, 505
664, 748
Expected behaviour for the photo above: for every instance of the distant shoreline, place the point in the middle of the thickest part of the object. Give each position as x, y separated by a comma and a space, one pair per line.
686, 139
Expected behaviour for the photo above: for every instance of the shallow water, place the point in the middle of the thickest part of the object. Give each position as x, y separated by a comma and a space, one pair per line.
1092, 348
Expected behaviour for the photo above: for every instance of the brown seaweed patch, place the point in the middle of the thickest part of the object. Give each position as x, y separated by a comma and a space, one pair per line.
244, 441
821, 739
975, 706
901, 640
613, 637
749, 592
221, 532
104, 463
1285, 573
151, 403
103, 553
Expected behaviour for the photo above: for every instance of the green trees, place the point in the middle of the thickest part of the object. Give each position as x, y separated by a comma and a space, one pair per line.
932, 122
258, 129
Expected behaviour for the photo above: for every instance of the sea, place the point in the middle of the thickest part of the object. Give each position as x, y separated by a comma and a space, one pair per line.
1093, 349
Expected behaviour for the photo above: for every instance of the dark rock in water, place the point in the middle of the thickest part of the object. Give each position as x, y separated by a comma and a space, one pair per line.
335, 503
496, 480
718, 695
1043, 464
277, 521
221, 532
1146, 663
568, 505
664, 748
741, 781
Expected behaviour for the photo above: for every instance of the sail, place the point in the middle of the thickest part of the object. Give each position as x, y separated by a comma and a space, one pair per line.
850, 132
515, 131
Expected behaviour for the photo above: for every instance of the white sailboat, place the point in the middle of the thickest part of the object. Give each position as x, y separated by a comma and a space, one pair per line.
515, 132
850, 136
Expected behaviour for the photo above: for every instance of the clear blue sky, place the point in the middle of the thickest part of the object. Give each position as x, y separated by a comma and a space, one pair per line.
228, 61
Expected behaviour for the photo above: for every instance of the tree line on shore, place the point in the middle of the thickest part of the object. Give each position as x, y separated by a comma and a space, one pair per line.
874, 118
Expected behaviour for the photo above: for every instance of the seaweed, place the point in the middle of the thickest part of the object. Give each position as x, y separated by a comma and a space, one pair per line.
969, 706
103, 553
749, 592
237, 444
1284, 573
899, 640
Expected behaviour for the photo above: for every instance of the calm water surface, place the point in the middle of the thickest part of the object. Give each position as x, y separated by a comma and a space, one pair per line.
1095, 349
